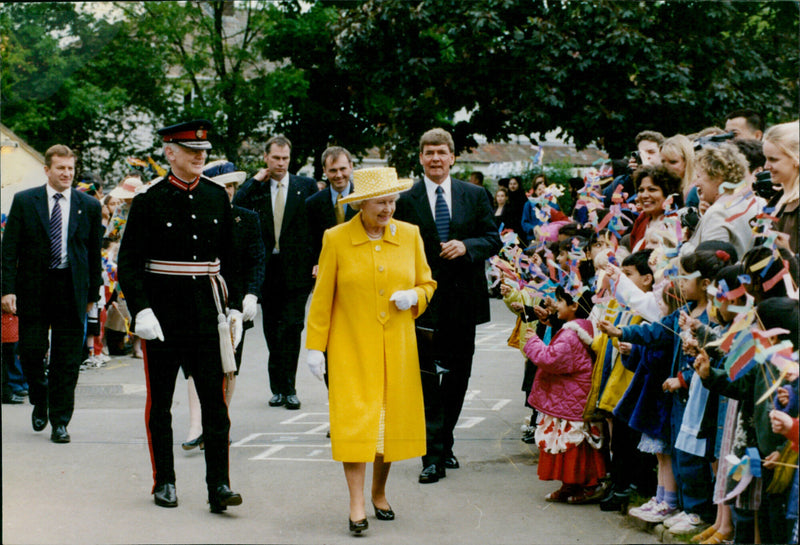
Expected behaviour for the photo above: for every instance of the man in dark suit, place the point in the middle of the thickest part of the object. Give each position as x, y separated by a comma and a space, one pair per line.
322, 208
279, 198
51, 276
174, 256
455, 221
249, 256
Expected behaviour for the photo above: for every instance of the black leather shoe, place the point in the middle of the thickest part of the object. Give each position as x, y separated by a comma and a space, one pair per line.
194, 443
432, 474
615, 502
451, 462
13, 399
358, 526
223, 497
39, 417
383, 514
165, 495
292, 402
277, 400
59, 434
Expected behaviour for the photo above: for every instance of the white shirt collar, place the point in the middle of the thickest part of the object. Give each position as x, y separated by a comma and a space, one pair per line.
431, 186
284, 181
50, 192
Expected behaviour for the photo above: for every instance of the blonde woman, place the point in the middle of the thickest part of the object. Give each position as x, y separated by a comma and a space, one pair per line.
781, 149
719, 169
677, 155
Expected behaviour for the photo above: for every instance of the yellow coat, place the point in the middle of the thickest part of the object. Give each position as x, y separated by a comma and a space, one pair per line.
371, 345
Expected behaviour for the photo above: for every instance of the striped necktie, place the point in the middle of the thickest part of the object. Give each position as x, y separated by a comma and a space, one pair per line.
442, 216
339, 209
55, 232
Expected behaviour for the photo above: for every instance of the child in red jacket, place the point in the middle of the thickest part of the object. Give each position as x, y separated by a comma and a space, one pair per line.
568, 446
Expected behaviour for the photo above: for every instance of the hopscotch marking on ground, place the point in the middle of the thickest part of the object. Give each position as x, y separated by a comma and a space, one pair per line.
292, 446
301, 442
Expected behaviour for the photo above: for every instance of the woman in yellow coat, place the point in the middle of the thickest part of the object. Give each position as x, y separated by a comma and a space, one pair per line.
373, 282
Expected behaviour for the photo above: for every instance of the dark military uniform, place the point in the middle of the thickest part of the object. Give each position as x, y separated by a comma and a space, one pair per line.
249, 259
184, 223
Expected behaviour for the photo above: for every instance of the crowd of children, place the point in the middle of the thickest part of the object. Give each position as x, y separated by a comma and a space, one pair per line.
660, 342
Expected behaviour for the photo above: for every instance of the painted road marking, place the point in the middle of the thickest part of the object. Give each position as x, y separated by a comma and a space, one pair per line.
294, 446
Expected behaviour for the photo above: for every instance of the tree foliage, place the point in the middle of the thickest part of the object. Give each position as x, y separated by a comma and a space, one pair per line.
60, 84
379, 73
600, 71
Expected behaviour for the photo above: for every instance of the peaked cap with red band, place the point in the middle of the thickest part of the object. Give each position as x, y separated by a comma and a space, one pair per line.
192, 134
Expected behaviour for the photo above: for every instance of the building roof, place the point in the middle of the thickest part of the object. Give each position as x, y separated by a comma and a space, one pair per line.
511, 152
508, 152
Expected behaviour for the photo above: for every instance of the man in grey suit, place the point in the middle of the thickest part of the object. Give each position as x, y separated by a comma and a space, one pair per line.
279, 198
457, 228
51, 276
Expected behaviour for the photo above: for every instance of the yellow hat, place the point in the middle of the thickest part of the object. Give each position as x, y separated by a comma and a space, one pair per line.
369, 183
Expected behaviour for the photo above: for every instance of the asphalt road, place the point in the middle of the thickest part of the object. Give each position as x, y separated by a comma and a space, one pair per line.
97, 488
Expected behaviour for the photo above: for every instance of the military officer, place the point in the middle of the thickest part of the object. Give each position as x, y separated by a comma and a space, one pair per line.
173, 262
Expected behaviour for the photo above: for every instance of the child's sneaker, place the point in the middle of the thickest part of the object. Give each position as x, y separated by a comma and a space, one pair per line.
674, 519
644, 508
690, 524
659, 513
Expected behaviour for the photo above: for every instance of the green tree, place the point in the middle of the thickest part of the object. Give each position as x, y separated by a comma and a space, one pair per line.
600, 71
262, 69
60, 85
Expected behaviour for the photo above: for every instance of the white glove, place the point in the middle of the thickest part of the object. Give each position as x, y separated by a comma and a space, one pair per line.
237, 326
249, 307
316, 363
404, 299
147, 326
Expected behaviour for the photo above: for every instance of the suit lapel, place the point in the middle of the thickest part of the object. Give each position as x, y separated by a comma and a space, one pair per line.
75, 212
265, 192
459, 204
330, 214
40, 204
293, 198
419, 197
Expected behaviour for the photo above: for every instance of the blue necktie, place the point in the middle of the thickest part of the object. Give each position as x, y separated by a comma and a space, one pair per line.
442, 216
55, 233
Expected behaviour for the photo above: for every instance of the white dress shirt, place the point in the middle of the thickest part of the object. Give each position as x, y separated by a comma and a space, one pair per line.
64, 204
446, 185
273, 188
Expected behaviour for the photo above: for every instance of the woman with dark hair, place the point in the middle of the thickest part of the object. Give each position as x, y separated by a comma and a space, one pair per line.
516, 202
653, 185
502, 210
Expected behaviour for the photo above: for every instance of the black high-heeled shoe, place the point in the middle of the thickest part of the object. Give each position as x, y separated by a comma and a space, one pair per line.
383, 514
194, 443
358, 526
